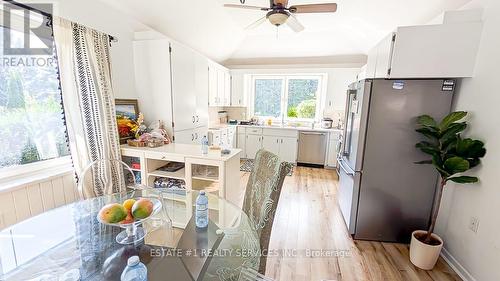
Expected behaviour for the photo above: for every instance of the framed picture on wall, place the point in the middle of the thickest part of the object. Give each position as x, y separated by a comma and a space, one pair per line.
127, 112
127, 108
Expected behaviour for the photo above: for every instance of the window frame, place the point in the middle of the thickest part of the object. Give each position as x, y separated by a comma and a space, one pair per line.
320, 95
44, 168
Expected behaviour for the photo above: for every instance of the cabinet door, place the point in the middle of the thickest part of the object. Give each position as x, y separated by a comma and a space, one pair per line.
152, 75
332, 153
288, 149
221, 86
185, 137
237, 90
271, 144
241, 145
384, 56
212, 85
227, 88
183, 88
202, 91
253, 144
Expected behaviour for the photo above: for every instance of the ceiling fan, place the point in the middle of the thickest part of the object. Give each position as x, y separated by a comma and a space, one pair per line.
279, 13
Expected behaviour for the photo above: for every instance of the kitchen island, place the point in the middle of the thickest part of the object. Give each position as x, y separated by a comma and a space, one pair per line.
212, 172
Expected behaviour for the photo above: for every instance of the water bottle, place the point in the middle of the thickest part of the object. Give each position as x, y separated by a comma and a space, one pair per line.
204, 145
201, 213
135, 270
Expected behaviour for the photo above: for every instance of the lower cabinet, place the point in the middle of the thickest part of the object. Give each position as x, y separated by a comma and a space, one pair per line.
271, 144
333, 149
253, 144
193, 136
241, 144
288, 150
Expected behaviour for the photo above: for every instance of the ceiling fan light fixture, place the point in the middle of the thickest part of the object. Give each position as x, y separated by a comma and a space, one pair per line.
277, 17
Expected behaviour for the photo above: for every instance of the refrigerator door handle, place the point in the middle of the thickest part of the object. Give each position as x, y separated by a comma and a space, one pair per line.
341, 164
348, 123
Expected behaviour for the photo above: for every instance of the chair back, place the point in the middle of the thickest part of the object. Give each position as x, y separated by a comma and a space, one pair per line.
105, 176
262, 194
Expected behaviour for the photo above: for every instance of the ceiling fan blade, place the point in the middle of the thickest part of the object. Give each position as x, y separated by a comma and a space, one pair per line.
256, 23
245, 7
283, 3
294, 24
314, 8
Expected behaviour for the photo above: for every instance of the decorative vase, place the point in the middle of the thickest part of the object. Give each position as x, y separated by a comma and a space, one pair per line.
423, 255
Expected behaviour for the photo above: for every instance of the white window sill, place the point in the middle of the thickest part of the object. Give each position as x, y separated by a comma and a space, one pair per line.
18, 177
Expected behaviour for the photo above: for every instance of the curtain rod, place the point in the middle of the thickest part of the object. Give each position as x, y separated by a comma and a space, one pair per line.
48, 15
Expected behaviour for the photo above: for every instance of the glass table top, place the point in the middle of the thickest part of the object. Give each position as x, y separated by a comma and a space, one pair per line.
68, 238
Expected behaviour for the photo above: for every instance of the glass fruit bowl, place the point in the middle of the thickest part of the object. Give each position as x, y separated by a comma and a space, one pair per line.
133, 232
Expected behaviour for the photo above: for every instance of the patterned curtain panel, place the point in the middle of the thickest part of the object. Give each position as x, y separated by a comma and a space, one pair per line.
87, 91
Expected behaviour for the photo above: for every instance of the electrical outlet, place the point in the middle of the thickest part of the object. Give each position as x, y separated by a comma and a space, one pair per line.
474, 224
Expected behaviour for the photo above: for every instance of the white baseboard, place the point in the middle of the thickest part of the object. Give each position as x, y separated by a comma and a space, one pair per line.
456, 266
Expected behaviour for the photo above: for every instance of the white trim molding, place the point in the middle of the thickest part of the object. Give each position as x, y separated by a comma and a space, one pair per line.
456, 266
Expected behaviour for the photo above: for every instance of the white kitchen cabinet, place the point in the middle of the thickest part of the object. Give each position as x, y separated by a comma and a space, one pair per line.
191, 136
183, 87
253, 144
238, 90
227, 88
212, 81
152, 75
202, 91
333, 149
219, 85
288, 149
429, 51
271, 144
241, 144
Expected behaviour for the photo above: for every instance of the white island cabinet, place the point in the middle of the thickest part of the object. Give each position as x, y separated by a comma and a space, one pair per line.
213, 172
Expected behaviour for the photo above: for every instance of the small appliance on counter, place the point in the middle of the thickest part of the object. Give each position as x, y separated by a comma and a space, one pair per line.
327, 123
223, 117
233, 122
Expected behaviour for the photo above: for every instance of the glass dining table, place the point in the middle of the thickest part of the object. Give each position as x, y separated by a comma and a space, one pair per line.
70, 241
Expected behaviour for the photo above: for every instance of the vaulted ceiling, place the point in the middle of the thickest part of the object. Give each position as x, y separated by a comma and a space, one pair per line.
220, 33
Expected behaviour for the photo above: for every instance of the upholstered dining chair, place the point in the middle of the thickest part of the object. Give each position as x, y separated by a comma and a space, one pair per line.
105, 176
262, 195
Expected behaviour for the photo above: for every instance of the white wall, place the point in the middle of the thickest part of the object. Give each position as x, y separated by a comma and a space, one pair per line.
479, 253
104, 18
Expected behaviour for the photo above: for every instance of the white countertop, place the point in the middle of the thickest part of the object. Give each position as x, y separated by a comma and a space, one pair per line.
316, 129
185, 150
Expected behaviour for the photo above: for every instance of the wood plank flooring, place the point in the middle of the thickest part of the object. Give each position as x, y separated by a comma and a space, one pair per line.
308, 217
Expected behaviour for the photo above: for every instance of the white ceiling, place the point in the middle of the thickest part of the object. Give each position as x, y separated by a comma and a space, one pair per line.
219, 32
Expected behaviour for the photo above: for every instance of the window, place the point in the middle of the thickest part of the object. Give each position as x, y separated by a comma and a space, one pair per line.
289, 98
32, 128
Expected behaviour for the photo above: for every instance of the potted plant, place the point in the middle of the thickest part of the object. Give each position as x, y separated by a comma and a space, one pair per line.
451, 156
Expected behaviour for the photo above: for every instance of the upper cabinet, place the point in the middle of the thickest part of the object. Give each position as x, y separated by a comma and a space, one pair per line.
219, 85
238, 86
153, 83
430, 51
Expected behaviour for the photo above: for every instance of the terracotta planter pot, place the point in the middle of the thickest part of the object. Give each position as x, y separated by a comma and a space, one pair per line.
422, 255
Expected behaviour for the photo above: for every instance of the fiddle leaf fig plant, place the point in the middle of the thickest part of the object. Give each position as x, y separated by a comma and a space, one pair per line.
450, 154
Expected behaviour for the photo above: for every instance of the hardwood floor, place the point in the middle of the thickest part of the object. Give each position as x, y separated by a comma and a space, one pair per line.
308, 217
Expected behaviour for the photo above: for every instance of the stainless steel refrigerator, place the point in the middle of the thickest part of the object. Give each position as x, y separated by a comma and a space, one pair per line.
383, 195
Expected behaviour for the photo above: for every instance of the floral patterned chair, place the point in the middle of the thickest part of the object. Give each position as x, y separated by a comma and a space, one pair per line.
262, 196
261, 201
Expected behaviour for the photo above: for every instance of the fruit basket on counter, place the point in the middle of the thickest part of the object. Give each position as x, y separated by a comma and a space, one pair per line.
129, 216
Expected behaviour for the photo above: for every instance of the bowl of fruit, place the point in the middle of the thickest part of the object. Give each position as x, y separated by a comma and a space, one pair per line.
129, 215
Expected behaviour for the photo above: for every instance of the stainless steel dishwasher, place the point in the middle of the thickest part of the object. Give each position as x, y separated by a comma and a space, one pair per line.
312, 147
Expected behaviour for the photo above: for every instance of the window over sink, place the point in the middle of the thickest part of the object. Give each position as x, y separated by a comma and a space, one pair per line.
287, 97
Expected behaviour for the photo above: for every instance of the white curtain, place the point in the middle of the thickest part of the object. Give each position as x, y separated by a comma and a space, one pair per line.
87, 91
